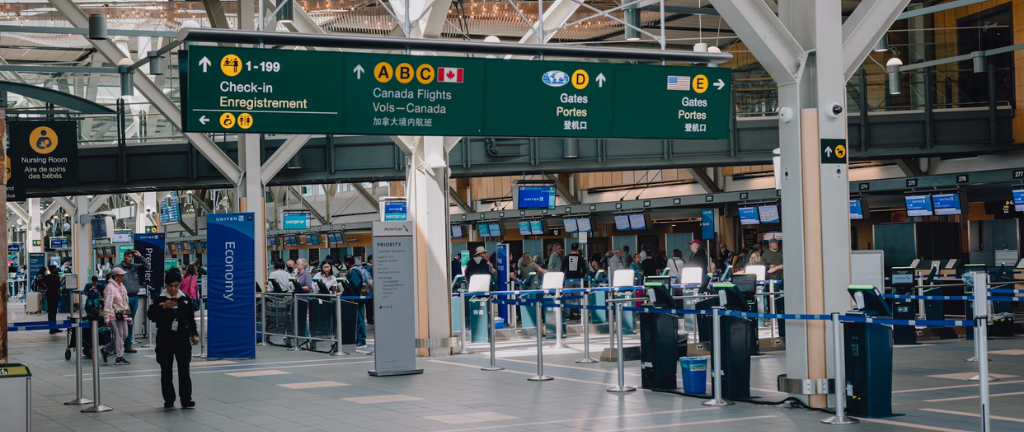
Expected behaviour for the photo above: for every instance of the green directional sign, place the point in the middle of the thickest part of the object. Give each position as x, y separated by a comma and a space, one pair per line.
249, 90
413, 95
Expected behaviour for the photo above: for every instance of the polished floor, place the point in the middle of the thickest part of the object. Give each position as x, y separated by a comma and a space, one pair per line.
306, 391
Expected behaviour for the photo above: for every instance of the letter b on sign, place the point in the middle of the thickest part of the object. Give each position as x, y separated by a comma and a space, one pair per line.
404, 73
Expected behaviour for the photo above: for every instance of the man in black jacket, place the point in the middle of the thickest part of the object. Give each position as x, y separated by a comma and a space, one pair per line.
479, 265
176, 332
573, 264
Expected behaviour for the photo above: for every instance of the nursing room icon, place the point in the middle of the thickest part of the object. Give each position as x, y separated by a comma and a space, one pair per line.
43, 140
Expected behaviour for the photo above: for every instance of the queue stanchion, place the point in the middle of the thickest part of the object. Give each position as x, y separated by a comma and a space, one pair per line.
981, 341
79, 400
558, 319
97, 406
295, 324
462, 325
338, 329
584, 318
540, 344
145, 321
613, 323
716, 342
771, 307
490, 328
840, 375
202, 321
263, 317
620, 359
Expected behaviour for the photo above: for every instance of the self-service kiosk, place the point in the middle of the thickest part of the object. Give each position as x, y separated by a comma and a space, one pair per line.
661, 344
737, 342
868, 354
903, 283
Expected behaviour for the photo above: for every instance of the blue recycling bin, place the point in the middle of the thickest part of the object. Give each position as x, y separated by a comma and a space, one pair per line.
694, 374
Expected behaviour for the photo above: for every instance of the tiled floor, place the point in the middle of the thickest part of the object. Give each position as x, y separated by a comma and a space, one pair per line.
305, 391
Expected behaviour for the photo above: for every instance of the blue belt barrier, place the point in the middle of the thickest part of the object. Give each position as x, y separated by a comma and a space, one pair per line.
949, 298
355, 297
1006, 291
45, 325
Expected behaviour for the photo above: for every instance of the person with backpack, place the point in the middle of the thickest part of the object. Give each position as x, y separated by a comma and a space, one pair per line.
368, 266
360, 283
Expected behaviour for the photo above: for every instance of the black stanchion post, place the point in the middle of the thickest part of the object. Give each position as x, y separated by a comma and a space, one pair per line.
490, 329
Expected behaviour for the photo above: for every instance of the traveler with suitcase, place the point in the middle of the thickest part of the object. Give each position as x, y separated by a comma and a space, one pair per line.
116, 314
176, 332
52, 283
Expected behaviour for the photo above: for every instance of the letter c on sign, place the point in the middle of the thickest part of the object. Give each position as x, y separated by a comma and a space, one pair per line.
425, 74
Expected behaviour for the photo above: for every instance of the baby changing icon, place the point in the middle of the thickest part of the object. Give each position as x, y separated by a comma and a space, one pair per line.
43, 140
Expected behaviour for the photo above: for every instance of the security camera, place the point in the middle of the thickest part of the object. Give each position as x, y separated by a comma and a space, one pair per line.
786, 114
835, 110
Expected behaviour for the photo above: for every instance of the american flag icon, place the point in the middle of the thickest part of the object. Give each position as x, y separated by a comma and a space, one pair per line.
679, 83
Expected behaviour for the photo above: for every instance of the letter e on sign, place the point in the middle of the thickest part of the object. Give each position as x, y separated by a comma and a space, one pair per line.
700, 84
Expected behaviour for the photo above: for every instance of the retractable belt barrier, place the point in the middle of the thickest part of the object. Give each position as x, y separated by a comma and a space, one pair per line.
45, 325
950, 298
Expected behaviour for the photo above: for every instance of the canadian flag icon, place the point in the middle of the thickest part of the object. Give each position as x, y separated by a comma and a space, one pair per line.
450, 75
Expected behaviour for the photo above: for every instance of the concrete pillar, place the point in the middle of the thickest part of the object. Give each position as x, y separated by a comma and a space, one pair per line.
35, 226
428, 206
250, 195
81, 257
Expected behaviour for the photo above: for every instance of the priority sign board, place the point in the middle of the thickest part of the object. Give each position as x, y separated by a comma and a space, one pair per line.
249, 90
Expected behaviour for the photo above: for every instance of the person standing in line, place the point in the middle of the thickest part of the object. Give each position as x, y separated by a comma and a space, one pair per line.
368, 266
116, 312
527, 266
328, 277
772, 259
358, 279
555, 260
52, 283
616, 263
699, 258
290, 267
133, 285
176, 333
281, 277
573, 265
479, 265
456, 266
627, 259
306, 283
676, 264
190, 283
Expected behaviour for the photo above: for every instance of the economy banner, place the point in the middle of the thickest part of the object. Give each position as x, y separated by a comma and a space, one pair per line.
230, 286
151, 246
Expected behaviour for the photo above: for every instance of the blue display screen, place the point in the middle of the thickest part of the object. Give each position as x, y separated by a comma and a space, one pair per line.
456, 231
856, 211
524, 228
1018, 200
583, 224
637, 222
570, 225
395, 211
296, 220
769, 213
536, 197
748, 216
622, 222
537, 227
484, 230
495, 229
946, 204
919, 205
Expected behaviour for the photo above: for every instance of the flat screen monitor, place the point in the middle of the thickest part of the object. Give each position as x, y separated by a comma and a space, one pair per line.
622, 222
570, 225
856, 209
903, 276
769, 213
121, 237
537, 227
748, 216
1018, 200
271, 242
583, 224
746, 283
637, 221
339, 238
297, 220
456, 231
484, 230
919, 205
946, 204
314, 240
524, 228
496, 229
536, 197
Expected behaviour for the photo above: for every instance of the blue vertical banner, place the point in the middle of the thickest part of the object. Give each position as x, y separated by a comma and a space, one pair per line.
36, 261
230, 286
151, 246
707, 224
502, 266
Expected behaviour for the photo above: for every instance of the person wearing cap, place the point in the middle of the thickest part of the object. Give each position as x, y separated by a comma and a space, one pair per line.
133, 285
116, 314
478, 264
772, 259
699, 257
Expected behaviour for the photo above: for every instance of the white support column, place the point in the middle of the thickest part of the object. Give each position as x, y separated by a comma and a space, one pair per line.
35, 226
428, 203
250, 195
81, 259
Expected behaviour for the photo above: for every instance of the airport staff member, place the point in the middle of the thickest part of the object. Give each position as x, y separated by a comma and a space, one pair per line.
176, 332
772, 258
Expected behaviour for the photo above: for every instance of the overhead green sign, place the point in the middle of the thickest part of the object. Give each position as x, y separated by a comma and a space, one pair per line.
273, 91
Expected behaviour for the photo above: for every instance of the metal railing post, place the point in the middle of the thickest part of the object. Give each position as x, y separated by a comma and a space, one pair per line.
558, 319
490, 328
585, 319
620, 359
263, 316
981, 341
540, 344
613, 323
840, 375
716, 342
78, 400
295, 323
97, 406
462, 320
145, 321
771, 307
339, 329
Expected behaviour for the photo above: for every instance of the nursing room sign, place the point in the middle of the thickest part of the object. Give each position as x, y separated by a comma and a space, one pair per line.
44, 153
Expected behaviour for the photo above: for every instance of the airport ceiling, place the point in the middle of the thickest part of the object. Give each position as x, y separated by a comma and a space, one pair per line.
474, 19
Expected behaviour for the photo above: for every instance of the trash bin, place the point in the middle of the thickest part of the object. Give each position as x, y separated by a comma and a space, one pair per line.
694, 374
15, 397
478, 320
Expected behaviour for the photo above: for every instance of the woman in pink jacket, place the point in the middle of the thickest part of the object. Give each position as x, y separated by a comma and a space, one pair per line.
117, 315
189, 283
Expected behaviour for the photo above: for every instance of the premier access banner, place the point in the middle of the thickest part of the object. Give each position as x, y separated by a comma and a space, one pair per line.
151, 247
230, 286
